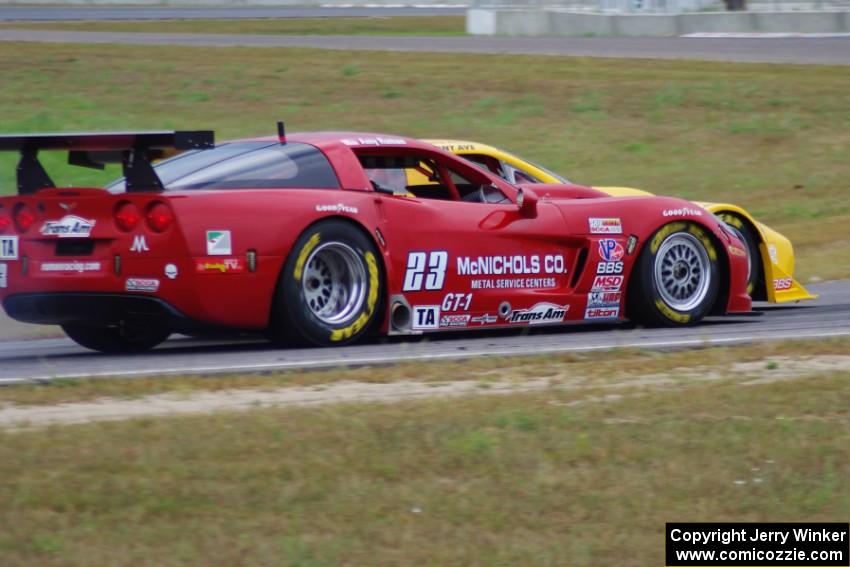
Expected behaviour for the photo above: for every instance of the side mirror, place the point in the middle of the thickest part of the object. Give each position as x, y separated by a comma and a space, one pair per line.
526, 200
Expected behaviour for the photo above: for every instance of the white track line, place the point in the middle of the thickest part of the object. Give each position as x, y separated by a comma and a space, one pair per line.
387, 359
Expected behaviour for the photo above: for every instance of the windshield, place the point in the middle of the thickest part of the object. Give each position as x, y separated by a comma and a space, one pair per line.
245, 165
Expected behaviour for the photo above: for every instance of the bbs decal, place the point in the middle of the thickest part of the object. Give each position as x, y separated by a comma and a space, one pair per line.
609, 268
426, 270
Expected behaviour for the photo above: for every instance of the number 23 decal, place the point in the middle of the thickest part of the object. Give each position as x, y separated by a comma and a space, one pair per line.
426, 268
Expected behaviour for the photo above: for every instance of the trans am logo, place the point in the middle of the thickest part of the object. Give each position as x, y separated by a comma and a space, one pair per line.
610, 250
70, 226
540, 313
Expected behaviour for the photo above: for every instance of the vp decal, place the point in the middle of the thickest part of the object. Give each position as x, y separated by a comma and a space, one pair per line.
610, 250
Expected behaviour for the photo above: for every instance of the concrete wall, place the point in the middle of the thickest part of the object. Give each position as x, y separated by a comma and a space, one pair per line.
516, 21
242, 3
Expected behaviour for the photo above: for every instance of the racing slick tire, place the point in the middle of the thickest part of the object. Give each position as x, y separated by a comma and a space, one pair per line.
676, 279
118, 339
746, 234
330, 289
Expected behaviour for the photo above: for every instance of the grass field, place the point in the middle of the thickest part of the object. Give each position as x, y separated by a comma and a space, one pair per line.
772, 138
590, 368
532, 479
400, 25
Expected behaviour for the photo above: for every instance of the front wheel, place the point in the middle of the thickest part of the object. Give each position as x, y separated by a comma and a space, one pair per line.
116, 339
676, 279
330, 287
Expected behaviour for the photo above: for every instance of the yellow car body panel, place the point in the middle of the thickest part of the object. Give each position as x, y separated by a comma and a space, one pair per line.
776, 251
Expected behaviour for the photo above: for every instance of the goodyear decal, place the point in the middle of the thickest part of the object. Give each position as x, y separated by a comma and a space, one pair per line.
371, 303
302, 256
670, 314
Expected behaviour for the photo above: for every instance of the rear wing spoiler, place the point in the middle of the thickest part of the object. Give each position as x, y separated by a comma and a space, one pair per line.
133, 150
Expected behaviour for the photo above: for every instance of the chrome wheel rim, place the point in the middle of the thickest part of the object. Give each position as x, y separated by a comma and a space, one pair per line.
334, 283
682, 273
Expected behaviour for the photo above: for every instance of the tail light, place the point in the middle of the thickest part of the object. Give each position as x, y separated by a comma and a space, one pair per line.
23, 217
127, 216
159, 217
5, 222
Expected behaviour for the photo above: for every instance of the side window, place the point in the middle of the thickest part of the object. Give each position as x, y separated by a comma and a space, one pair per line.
423, 177
486, 163
412, 175
519, 176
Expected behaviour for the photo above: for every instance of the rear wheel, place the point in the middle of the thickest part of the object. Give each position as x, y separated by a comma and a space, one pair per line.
120, 338
330, 288
676, 277
746, 234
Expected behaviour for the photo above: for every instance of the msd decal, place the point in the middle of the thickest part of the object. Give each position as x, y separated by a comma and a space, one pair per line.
605, 226
540, 313
8, 247
426, 317
610, 250
607, 283
70, 226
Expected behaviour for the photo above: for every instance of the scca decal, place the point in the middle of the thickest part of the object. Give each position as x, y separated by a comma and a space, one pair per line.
449, 321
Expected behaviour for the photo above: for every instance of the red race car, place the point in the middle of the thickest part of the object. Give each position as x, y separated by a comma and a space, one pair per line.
323, 237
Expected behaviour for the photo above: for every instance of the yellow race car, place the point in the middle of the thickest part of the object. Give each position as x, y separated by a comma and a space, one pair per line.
771, 254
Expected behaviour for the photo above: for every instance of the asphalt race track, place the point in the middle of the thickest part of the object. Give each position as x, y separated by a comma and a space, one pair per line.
827, 51
43, 360
101, 13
